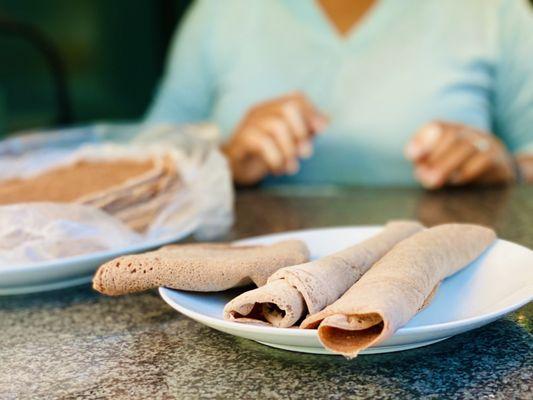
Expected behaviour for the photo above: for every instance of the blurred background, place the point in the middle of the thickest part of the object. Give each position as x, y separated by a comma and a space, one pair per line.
64, 62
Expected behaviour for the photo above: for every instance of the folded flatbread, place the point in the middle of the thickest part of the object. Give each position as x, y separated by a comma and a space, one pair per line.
73, 182
134, 191
202, 267
397, 287
140, 216
294, 291
137, 189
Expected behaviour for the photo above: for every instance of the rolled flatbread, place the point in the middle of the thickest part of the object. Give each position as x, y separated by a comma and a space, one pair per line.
202, 267
294, 291
397, 287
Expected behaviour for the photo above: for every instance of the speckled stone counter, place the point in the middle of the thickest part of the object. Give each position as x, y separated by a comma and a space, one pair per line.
76, 344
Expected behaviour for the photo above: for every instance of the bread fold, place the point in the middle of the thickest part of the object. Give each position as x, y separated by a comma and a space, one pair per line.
397, 287
202, 267
294, 291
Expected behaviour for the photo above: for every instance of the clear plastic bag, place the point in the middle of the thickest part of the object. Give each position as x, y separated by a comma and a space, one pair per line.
202, 204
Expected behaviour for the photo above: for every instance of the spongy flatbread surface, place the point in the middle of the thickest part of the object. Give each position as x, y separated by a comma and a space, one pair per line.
198, 267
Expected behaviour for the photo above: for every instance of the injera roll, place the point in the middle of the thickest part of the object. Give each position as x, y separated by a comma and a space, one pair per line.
315, 284
397, 287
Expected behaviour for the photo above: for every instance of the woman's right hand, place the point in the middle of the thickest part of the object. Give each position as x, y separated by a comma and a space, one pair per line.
272, 137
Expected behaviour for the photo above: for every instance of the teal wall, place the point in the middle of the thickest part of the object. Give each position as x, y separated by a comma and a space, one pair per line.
113, 53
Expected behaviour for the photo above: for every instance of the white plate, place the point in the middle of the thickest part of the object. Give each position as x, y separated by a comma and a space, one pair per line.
499, 282
69, 271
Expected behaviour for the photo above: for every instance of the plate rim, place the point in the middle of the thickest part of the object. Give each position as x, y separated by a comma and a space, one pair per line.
404, 331
45, 287
88, 257
369, 351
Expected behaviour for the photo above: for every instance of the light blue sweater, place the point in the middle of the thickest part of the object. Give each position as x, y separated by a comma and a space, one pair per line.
407, 62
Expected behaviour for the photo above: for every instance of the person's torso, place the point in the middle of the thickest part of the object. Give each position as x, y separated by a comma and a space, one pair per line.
405, 64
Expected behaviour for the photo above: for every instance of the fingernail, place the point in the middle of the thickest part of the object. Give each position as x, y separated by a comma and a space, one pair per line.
432, 133
413, 151
320, 123
427, 177
293, 168
416, 149
455, 178
305, 150
432, 179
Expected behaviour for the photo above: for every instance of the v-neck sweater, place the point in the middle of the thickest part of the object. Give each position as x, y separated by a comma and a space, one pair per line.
405, 63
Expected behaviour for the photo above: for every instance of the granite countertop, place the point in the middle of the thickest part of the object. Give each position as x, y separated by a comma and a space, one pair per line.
76, 344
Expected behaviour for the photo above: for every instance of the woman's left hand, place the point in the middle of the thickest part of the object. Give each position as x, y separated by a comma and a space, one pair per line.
452, 154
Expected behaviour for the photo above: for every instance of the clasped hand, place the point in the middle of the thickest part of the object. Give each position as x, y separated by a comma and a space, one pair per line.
274, 135
453, 154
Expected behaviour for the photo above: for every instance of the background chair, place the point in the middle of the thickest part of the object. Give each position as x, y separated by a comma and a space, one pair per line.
66, 62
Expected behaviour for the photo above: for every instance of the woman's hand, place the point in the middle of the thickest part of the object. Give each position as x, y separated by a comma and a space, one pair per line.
272, 137
453, 154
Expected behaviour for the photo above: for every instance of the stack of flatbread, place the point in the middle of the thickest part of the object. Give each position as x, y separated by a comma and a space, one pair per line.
132, 190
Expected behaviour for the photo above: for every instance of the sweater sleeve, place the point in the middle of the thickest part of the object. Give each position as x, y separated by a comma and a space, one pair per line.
514, 76
186, 91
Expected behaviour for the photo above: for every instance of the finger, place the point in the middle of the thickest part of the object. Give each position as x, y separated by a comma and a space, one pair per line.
305, 149
474, 168
440, 173
302, 147
447, 140
294, 117
280, 133
249, 172
315, 119
302, 118
300, 132
263, 146
424, 141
